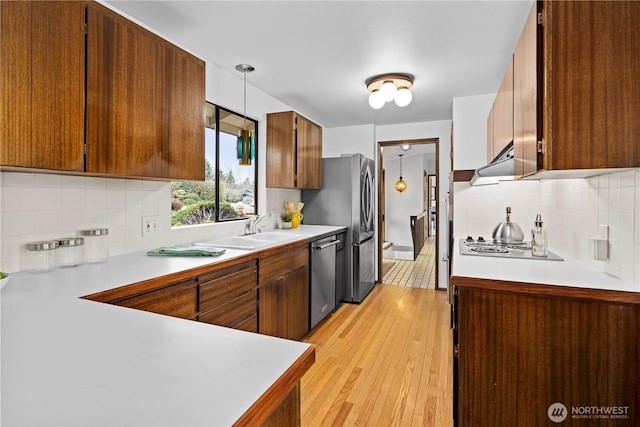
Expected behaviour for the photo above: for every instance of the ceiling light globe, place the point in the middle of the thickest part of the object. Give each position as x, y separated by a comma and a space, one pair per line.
388, 90
403, 97
376, 100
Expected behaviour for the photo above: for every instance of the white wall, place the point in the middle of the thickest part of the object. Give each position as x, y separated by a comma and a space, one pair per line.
349, 140
470, 131
400, 206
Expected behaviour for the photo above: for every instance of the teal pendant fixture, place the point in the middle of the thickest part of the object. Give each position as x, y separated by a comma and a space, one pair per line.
246, 147
246, 142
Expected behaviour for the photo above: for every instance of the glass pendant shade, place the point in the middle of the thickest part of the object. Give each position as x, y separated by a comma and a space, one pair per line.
403, 97
400, 185
388, 91
376, 100
246, 147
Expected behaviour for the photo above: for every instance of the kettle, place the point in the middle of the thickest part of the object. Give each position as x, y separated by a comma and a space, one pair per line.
507, 231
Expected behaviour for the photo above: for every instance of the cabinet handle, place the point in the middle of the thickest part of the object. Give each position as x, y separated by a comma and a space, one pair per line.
326, 245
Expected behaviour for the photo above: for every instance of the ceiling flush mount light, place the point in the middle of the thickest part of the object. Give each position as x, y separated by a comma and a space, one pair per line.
246, 142
405, 147
389, 87
400, 184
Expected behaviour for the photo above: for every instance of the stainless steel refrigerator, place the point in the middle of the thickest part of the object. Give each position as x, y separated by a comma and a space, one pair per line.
346, 198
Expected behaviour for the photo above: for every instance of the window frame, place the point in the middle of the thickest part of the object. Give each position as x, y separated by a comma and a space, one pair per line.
217, 166
218, 111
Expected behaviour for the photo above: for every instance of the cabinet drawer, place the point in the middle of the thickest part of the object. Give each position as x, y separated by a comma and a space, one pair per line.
278, 265
219, 290
232, 312
250, 324
179, 300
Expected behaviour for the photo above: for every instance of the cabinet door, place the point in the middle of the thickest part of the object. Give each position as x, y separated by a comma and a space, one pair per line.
271, 314
42, 97
525, 94
296, 301
183, 114
281, 150
309, 151
534, 350
591, 63
284, 306
145, 102
503, 113
490, 135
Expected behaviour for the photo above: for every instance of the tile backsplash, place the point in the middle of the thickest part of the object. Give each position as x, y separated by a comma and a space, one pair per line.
572, 210
37, 207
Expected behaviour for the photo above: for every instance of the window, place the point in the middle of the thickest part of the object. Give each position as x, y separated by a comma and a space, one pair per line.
229, 190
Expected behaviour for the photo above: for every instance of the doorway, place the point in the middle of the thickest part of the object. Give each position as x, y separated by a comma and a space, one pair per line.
407, 220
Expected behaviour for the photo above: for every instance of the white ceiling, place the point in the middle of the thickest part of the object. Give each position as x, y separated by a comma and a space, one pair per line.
316, 55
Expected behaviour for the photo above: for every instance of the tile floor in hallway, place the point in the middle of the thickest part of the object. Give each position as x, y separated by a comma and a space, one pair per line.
420, 273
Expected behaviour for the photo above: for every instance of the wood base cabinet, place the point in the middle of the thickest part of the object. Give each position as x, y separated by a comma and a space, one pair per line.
531, 358
228, 297
284, 293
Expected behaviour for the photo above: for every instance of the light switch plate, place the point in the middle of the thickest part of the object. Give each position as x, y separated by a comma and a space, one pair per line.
149, 225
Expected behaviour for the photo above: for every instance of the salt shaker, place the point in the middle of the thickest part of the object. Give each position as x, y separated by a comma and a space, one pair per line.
538, 239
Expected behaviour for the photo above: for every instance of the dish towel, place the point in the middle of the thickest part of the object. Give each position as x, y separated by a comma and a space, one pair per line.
187, 251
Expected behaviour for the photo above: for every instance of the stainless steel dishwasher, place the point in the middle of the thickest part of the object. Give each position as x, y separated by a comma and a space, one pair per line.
323, 278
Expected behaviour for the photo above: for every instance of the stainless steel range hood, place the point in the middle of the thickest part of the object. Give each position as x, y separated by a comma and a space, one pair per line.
502, 168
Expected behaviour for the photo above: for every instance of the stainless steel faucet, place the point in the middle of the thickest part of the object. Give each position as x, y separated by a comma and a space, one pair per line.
250, 226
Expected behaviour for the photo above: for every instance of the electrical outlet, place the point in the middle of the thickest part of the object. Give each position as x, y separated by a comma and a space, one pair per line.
149, 225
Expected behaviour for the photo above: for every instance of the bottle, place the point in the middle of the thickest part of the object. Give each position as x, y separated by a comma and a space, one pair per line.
538, 239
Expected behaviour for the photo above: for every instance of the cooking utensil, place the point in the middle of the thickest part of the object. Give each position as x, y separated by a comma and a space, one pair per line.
300, 206
507, 231
288, 206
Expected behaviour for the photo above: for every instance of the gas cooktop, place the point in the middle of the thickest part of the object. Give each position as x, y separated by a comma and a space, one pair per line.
482, 247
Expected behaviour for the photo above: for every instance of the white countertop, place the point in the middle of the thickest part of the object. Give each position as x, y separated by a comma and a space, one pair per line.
74, 362
570, 272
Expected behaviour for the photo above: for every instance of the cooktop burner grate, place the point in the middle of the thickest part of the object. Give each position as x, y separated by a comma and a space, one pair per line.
488, 250
481, 247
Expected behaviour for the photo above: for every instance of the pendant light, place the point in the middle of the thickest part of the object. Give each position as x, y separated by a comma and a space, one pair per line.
400, 184
246, 142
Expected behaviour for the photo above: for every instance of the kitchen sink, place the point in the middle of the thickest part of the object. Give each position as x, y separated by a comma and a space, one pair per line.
251, 241
274, 236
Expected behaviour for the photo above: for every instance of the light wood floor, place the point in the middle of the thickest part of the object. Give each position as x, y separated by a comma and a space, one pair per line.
385, 362
420, 273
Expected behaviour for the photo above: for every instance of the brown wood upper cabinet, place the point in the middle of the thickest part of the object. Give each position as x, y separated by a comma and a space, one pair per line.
501, 117
145, 102
144, 97
42, 77
576, 67
294, 151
